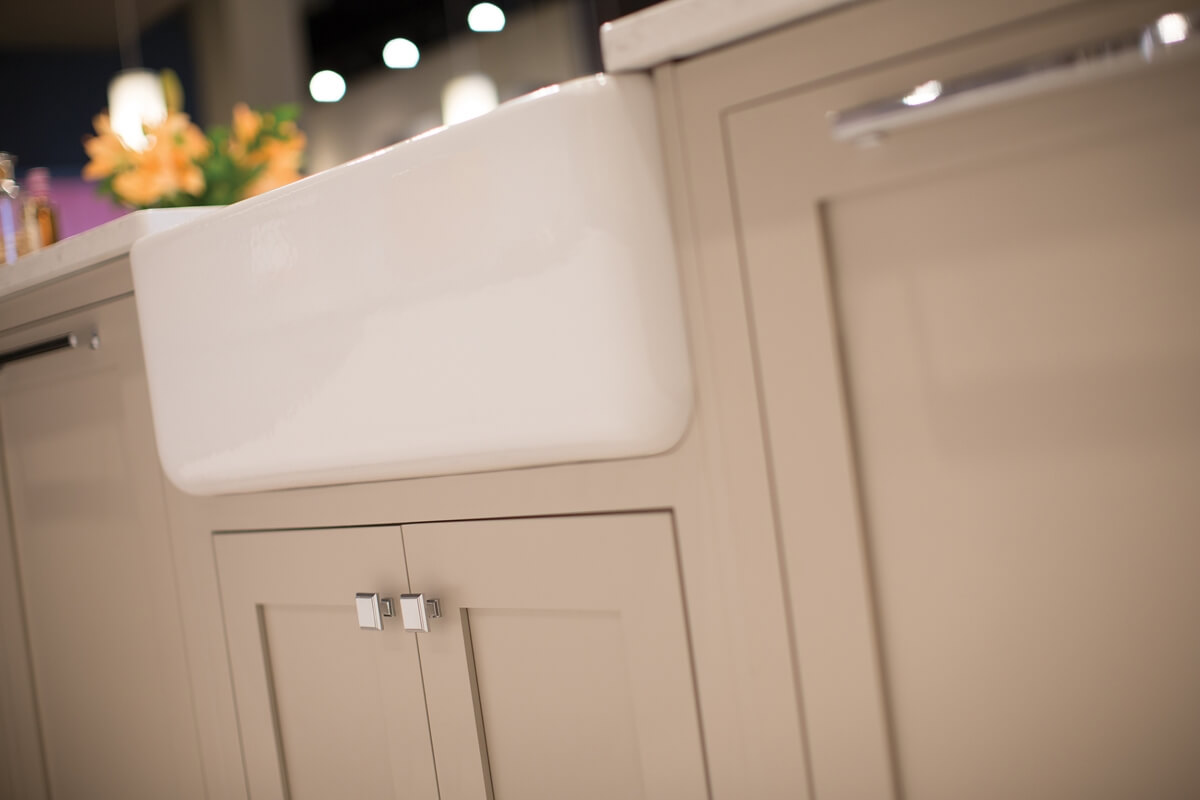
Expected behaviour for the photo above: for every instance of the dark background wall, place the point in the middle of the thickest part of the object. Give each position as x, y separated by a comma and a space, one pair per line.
51, 94
57, 56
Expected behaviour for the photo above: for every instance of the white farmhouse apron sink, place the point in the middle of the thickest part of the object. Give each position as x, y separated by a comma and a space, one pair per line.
496, 294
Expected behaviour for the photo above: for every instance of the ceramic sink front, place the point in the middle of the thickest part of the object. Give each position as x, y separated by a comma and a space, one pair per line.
500, 293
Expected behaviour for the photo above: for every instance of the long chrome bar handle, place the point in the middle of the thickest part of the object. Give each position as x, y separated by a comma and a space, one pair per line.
1170, 36
65, 342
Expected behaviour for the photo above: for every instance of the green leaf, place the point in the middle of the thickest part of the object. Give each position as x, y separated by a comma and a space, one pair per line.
287, 112
218, 135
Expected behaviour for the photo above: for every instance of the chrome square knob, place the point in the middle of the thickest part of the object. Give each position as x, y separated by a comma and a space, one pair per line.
416, 611
372, 609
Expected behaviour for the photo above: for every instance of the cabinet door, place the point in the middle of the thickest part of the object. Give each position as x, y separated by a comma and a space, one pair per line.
1007, 298
95, 564
560, 665
325, 709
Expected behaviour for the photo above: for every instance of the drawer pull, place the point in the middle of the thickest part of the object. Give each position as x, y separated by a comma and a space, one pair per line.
1170, 35
64, 342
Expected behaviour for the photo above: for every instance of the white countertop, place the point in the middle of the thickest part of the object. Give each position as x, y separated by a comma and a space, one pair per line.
681, 28
90, 248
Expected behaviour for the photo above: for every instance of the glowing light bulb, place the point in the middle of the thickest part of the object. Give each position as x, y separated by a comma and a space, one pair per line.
327, 86
135, 98
485, 18
401, 54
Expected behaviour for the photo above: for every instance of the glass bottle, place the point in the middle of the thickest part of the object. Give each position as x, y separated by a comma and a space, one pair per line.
11, 232
40, 215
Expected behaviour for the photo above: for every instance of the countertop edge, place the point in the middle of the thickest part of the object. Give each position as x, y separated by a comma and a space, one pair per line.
681, 28
89, 248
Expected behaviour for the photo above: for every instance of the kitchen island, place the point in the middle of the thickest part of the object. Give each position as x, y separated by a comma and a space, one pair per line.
927, 530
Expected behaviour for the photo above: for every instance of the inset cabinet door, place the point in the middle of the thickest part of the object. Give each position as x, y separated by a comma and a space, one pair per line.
89, 568
326, 709
980, 361
560, 665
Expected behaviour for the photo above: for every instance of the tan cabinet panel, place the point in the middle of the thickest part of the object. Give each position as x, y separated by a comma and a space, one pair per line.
980, 357
22, 770
560, 666
325, 709
95, 563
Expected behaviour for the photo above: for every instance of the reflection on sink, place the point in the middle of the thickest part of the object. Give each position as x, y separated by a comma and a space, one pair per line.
496, 294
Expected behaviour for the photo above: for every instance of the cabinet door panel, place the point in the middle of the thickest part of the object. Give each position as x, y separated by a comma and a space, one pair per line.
560, 666
1007, 298
556, 701
95, 562
325, 708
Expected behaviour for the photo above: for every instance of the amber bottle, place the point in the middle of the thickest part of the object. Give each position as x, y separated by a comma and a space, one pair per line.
41, 216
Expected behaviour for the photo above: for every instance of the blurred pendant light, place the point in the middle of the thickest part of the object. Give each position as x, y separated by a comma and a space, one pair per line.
401, 54
486, 18
327, 86
135, 95
135, 98
467, 97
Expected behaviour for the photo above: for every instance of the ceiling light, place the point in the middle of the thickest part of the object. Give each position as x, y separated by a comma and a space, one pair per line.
467, 97
485, 18
135, 98
327, 86
401, 54
135, 95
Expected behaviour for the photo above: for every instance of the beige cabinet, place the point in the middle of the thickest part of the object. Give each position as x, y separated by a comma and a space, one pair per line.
559, 666
92, 577
930, 534
979, 362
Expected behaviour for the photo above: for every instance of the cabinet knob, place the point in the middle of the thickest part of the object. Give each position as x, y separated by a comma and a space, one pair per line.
372, 609
416, 611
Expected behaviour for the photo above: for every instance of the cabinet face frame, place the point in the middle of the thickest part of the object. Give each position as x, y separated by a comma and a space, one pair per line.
714, 483
719, 99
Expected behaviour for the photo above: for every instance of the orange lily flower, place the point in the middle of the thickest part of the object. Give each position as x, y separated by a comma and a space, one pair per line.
168, 166
106, 151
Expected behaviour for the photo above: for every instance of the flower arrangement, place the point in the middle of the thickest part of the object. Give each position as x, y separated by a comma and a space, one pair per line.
182, 166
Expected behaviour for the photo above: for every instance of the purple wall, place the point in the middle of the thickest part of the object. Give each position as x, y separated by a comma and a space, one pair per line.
79, 207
